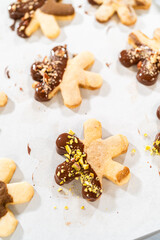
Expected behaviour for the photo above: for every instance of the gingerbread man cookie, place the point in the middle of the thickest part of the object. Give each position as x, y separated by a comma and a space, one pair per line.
59, 73
40, 13
91, 159
12, 193
124, 9
145, 53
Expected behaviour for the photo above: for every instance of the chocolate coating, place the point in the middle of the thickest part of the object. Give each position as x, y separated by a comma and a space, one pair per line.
49, 73
57, 9
158, 112
4, 199
147, 62
65, 172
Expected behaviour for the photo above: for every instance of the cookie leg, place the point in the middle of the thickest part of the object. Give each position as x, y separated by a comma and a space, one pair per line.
8, 224
92, 131
91, 80
48, 24
157, 34
70, 87
84, 60
21, 192
32, 27
116, 172
126, 14
105, 12
7, 169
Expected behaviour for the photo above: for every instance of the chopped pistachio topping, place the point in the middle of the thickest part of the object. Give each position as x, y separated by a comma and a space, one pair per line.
82, 207
133, 151
66, 208
69, 151
71, 132
59, 190
148, 148
55, 207
145, 135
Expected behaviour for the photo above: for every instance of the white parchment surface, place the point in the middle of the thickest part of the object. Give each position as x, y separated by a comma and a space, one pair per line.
122, 105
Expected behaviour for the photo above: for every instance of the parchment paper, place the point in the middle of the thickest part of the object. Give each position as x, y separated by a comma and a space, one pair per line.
122, 105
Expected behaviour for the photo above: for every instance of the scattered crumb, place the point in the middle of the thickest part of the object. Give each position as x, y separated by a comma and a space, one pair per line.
74, 55
66, 208
159, 173
139, 132
133, 151
55, 207
82, 207
117, 212
21, 89
150, 166
68, 223
59, 190
108, 65
145, 135
28, 149
147, 148
79, 6
7, 73
86, 12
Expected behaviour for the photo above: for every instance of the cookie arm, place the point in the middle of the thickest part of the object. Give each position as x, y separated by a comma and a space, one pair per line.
116, 172
7, 169
142, 4
21, 192
91, 80
105, 12
84, 60
48, 24
8, 224
126, 14
92, 131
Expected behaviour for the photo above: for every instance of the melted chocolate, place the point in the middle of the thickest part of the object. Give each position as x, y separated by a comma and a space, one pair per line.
4, 199
58, 9
72, 167
158, 112
24, 10
12, 27
49, 73
147, 62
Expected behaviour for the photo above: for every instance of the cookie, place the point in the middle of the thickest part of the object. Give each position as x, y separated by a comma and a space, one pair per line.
12, 193
91, 159
3, 99
59, 73
40, 13
145, 53
123, 8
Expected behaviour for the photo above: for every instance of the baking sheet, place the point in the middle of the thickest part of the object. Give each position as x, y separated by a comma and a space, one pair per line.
122, 105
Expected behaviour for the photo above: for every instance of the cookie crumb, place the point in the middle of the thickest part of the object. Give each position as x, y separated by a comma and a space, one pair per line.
80, 6
59, 190
68, 223
28, 149
150, 166
133, 151
108, 64
21, 89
